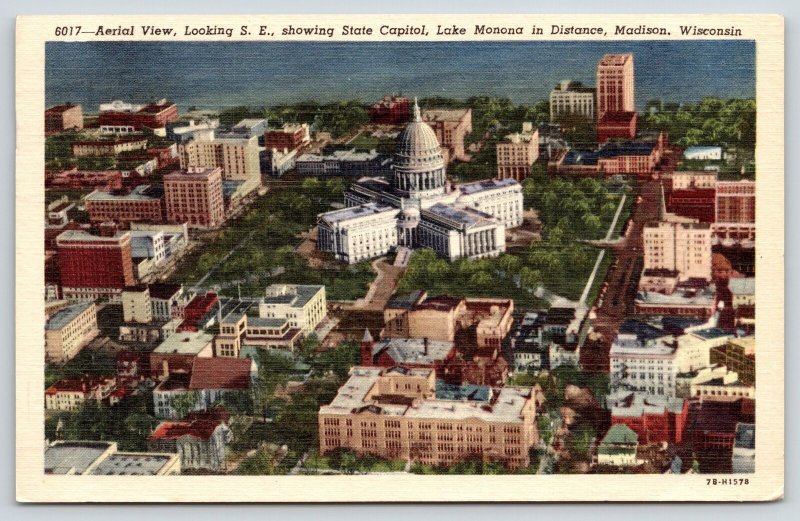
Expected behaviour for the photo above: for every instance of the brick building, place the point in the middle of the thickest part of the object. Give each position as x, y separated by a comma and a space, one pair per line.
69, 394
63, 117
290, 136
616, 125
616, 108
236, 154
75, 179
736, 210
391, 110
451, 126
144, 203
107, 147
517, 153
92, 266
654, 419
194, 196
615, 84
395, 413
136, 117
695, 203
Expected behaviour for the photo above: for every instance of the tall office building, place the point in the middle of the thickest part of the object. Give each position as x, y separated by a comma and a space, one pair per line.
615, 88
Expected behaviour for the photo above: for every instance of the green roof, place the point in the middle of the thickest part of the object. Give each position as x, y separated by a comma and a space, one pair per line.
620, 435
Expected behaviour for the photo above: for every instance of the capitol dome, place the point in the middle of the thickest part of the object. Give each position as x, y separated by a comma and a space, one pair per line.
418, 141
419, 165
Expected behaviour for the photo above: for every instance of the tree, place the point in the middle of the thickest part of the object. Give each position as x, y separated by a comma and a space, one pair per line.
308, 346
184, 403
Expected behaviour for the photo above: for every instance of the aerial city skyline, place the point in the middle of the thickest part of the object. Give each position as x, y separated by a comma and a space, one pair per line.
422, 282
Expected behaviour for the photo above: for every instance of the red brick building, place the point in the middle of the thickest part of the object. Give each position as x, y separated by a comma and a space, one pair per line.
195, 197
290, 137
654, 420
85, 180
698, 203
196, 309
154, 115
63, 117
715, 427
616, 125
391, 110
91, 266
142, 204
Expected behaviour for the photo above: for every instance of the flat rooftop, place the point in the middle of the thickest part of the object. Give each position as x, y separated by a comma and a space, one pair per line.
64, 316
73, 456
486, 185
298, 294
413, 350
133, 464
742, 286
505, 405
356, 212
466, 217
185, 343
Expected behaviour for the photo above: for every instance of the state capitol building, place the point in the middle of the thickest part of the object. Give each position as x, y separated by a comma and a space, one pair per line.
420, 208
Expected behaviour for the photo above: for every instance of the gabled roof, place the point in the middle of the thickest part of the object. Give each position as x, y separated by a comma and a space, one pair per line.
620, 434
220, 373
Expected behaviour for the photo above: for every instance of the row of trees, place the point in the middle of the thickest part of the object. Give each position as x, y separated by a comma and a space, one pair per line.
712, 121
338, 118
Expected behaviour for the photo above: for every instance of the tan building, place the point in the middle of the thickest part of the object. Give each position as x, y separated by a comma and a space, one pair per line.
69, 330
444, 318
107, 147
302, 306
736, 211
394, 413
451, 126
678, 246
69, 394
136, 305
571, 98
237, 156
517, 153
194, 196
615, 84
738, 355
63, 117
231, 333
687, 180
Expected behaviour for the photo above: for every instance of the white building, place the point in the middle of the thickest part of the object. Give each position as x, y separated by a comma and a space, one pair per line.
683, 180
304, 306
704, 153
743, 292
359, 232
645, 365
419, 208
678, 246
571, 97
694, 349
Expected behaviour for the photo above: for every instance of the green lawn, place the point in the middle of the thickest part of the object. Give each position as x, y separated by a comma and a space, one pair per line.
276, 220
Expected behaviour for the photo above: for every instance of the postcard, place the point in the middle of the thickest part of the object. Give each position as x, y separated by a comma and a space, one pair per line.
370, 258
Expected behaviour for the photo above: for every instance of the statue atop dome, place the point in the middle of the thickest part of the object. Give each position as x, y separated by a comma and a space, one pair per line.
419, 165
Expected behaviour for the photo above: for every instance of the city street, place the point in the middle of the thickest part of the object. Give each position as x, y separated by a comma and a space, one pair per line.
622, 278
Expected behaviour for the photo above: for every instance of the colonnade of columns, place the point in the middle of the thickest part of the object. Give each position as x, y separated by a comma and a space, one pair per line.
419, 181
480, 242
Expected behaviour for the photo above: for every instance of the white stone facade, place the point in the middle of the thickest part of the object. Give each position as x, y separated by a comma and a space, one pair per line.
419, 208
